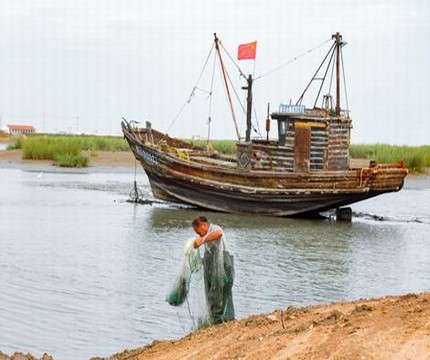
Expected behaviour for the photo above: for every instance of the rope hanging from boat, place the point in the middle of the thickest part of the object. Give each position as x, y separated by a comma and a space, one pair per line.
344, 82
210, 99
135, 194
192, 94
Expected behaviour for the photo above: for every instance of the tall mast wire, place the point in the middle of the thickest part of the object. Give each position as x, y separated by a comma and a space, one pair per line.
193, 91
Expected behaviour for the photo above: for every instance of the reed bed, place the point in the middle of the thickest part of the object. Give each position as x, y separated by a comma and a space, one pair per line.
67, 150
416, 158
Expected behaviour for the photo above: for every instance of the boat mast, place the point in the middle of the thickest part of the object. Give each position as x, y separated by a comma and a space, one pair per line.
338, 39
226, 86
248, 108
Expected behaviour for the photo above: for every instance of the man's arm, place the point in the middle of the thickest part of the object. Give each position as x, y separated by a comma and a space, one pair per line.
212, 236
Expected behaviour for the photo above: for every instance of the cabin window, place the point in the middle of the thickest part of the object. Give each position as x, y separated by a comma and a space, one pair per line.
281, 132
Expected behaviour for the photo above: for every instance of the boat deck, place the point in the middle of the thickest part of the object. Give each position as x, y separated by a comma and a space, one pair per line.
214, 162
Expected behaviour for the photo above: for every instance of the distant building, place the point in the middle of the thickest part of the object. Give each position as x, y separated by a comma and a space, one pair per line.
21, 129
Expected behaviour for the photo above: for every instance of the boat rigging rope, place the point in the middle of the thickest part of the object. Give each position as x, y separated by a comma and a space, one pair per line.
231, 83
193, 91
322, 79
292, 60
235, 92
210, 100
196, 88
344, 82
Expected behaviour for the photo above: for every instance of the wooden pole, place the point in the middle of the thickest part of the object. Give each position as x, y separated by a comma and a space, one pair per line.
226, 86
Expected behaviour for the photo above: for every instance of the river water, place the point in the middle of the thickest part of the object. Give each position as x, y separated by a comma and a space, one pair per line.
85, 273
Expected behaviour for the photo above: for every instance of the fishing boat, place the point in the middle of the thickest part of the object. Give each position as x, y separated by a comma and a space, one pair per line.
304, 171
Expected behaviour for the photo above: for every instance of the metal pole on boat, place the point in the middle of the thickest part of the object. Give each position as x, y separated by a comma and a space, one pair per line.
248, 108
338, 38
268, 122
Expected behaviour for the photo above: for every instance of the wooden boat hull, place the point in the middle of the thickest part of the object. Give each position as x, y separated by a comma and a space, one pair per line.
285, 203
226, 189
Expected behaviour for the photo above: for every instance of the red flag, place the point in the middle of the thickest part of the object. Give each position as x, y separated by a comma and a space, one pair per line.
247, 51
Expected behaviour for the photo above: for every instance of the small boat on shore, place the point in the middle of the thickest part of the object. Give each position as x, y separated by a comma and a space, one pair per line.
303, 172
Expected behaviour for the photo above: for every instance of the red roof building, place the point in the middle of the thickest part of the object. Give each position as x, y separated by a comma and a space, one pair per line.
21, 129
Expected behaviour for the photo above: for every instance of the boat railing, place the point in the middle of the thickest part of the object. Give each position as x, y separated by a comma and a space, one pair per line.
375, 169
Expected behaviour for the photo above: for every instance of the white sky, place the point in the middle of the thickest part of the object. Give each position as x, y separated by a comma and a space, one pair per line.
82, 65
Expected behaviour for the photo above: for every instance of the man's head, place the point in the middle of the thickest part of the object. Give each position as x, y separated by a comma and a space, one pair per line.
201, 225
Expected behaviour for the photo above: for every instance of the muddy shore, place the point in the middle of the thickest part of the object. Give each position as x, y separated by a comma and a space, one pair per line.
102, 160
387, 328
391, 327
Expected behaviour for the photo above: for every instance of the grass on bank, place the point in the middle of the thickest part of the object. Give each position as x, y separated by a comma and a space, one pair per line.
67, 150
416, 158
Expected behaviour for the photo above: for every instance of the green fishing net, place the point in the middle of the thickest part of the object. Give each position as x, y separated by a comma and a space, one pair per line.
191, 263
205, 284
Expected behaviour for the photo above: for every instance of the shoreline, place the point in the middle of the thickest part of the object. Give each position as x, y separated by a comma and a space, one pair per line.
344, 330
389, 327
103, 161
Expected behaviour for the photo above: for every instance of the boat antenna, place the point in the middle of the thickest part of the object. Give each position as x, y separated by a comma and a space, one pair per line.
226, 85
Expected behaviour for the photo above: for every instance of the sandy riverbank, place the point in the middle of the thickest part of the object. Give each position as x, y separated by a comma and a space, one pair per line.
385, 328
103, 159
388, 328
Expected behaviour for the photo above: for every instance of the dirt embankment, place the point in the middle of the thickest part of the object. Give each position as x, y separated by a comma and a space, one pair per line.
105, 159
386, 328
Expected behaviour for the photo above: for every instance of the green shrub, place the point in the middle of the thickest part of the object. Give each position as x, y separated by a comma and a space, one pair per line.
17, 144
71, 160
